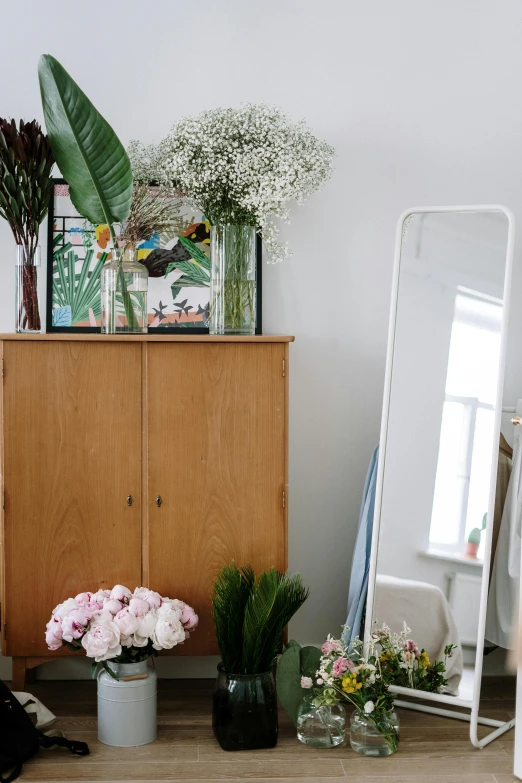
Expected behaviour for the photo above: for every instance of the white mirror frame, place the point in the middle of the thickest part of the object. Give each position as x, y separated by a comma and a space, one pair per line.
473, 705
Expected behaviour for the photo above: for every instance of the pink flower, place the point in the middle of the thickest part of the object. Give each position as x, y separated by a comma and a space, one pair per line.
342, 665
126, 621
330, 646
189, 618
139, 607
113, 606
152, 598
63, 609
168, 632
75, 624
94, 606
411, 646
83, 598
53, 633
101, 595
120, 593
145, 630
102, 640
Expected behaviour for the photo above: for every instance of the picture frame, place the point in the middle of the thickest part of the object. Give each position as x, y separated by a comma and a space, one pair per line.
77, 247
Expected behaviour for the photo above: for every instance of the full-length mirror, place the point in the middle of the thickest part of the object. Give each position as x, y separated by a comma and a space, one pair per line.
440, 436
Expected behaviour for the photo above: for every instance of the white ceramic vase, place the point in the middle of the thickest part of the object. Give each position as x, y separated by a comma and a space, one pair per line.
127, 708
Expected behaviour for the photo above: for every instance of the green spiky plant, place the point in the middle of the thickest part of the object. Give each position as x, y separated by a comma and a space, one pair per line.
250, 614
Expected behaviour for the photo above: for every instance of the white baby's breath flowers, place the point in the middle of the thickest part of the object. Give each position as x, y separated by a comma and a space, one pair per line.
243, 166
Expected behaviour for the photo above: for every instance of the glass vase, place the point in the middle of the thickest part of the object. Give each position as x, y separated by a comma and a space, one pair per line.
27, 308
124, 285
233, 279
374, 736
320, 727
244, 711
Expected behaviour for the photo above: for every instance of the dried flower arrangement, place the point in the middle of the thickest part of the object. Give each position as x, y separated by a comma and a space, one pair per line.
26, 161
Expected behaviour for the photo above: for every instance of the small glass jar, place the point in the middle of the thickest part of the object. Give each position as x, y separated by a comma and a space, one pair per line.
320, 727
27, 311
124, 286
244, 711
374, 736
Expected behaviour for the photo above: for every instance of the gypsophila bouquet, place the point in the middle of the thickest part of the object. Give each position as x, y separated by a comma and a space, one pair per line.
120, 626
242, 166
346, 674
406, 664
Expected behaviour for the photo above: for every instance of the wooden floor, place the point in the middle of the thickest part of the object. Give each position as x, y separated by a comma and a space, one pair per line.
432, 749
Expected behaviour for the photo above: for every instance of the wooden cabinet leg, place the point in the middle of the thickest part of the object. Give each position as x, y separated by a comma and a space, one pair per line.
18, 678
30, 675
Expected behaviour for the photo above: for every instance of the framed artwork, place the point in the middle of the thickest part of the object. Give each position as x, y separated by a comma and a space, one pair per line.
179, 272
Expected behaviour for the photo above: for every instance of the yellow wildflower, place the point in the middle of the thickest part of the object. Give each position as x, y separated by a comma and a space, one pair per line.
387, 656
424, 660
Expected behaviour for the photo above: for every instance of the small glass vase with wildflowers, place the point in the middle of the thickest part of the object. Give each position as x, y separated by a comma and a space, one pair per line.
346, 674
407, 665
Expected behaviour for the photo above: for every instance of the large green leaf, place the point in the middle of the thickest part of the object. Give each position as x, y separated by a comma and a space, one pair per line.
294, 663
87, 151
288, 679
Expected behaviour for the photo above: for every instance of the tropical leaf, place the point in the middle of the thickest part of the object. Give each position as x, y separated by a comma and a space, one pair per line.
88, 152
195, 252
288, 681
79, 292
294, 663
232, 589
250, 614
62, 316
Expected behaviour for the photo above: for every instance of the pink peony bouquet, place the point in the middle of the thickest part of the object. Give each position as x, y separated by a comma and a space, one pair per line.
119, 625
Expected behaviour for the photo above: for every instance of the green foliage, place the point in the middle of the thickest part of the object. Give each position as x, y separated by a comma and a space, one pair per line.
87, 150
294, 663
80, 292
251, 613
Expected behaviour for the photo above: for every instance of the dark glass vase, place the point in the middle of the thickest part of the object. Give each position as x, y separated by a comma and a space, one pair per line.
244, 712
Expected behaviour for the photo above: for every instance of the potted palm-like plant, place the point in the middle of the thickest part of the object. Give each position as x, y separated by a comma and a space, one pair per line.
250, 614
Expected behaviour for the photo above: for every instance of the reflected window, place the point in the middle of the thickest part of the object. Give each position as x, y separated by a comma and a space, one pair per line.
461, 494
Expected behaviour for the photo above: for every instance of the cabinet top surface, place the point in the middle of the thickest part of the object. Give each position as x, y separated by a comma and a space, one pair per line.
164, 338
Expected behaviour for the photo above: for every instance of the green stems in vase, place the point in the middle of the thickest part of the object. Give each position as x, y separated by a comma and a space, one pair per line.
233, 279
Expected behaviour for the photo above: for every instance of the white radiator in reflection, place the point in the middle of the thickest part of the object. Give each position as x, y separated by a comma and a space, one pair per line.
464, 600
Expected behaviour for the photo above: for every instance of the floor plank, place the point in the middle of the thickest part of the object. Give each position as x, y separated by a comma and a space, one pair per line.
433, 749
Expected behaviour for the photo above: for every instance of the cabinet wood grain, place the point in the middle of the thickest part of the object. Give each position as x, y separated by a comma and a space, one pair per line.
217, 460
194, 429
72, 455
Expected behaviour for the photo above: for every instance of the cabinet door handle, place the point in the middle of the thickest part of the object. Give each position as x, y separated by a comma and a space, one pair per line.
129, 500
159, 501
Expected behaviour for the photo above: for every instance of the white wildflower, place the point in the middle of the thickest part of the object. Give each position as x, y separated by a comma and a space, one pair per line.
369, 707
243, 166
306, 682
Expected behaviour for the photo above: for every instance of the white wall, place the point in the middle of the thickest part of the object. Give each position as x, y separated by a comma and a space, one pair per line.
421, 100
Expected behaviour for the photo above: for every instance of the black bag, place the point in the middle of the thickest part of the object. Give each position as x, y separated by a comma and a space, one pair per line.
20, 739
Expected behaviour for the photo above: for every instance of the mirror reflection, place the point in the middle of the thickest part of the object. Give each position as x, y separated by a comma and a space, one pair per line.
441, 446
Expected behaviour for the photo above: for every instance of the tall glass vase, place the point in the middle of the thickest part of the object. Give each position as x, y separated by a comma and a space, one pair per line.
233, 279
124, 286
27, 308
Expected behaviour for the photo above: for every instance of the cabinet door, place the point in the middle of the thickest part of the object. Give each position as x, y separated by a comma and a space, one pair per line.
217, 459
72, 455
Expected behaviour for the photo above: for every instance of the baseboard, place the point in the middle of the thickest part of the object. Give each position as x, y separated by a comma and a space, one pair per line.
176, 668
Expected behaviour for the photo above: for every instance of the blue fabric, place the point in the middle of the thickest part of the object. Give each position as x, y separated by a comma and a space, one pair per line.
361, 555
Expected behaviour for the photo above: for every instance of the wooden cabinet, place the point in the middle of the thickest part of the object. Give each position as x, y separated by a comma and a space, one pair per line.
137, 460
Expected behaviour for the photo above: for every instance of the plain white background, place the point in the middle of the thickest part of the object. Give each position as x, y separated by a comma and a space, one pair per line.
421, 100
